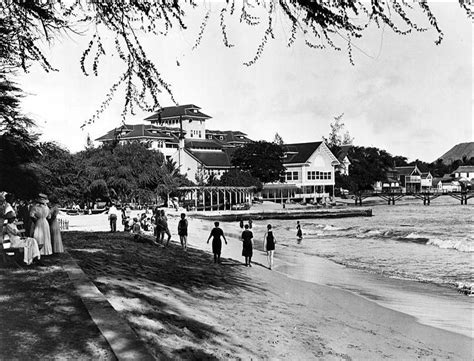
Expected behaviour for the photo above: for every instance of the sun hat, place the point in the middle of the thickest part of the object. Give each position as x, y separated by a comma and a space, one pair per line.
10, 215
42, 198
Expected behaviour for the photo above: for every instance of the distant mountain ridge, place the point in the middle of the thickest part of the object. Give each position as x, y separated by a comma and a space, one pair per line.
458, 152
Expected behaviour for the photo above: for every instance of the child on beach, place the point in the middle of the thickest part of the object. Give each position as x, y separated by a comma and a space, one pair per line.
269, 245
183, 231
247, 245
299, 232
216, 235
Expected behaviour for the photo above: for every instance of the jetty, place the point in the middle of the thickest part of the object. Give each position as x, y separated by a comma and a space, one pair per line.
236, 216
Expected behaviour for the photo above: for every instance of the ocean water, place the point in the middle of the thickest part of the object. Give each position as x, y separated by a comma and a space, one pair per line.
408, 257
433, 244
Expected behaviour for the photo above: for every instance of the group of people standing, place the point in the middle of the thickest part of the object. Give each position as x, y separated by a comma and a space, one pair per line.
160, 229
41, 228
217, 235
246, 237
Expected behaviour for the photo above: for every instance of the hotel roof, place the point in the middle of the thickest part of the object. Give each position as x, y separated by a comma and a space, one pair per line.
188, 110
139, 131
220, 159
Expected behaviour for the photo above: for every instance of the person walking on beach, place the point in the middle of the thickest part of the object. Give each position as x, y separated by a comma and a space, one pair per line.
216, 235
164, 227
247, 245
299, 232
269, 245
157, 225
113, 215
183, 231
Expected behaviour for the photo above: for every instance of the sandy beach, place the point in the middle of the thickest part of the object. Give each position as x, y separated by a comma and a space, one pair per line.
182, 306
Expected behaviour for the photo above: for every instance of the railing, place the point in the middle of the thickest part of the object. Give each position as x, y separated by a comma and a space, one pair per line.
63, 224
413, 179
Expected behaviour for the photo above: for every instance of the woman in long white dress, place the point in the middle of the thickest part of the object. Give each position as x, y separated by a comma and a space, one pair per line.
39, 213
30, 246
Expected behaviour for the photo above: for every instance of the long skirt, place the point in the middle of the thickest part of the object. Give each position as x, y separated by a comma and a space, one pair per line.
56, 239
43, 236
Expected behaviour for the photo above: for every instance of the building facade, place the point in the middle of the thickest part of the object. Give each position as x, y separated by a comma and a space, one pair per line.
180, 133
309, 174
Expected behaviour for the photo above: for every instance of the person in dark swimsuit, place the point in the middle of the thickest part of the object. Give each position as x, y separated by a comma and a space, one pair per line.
269, 245
299, 232
216, 235
183, 231
247, 245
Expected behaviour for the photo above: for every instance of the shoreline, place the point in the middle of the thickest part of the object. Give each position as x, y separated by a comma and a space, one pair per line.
360, 283
183, 306
413, 298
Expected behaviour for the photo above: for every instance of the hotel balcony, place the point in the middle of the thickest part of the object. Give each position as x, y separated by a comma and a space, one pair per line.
413, 179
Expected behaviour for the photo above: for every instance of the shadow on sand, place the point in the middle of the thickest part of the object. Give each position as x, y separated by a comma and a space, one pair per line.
41, 316
155, 288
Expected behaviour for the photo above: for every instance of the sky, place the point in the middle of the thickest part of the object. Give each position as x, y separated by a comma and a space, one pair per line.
404, 94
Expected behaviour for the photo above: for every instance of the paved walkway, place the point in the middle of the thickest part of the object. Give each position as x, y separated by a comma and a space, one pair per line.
118, 333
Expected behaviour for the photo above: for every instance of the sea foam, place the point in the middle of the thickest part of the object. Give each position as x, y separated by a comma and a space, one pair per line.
465, 245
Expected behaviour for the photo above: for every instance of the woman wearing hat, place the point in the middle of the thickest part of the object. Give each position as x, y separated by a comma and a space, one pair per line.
30, 246
39, 214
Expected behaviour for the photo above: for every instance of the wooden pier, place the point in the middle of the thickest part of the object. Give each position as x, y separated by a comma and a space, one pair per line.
426, 197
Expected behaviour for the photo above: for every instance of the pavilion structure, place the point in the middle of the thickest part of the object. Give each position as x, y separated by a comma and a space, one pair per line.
216, 198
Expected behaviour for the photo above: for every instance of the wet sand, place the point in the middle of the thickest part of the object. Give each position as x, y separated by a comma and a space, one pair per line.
183, 306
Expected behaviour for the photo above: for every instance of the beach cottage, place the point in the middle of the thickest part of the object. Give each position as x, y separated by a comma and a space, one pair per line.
446, 184
409, 178
464, 171
309, 174
426, 181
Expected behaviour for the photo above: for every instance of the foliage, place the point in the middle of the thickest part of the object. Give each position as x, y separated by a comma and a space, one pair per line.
238, 178
439, 169
18, 144
58, 173
368, 165
26, 25
335, 139
262, 160
278, 139
128, 172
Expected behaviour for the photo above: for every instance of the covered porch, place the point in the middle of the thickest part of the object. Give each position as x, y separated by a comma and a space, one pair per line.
204, 198
282, 192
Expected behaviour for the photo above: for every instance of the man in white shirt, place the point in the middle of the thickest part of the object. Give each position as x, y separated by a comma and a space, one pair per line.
113, 215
